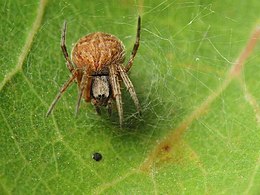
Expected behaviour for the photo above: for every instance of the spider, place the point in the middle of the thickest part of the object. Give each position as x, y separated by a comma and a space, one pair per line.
96, 65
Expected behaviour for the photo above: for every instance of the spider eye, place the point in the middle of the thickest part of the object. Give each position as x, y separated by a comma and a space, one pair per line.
100, 88
101, 96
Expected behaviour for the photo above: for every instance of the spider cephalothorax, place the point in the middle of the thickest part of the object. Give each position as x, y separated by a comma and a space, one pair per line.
101, 92
97, 66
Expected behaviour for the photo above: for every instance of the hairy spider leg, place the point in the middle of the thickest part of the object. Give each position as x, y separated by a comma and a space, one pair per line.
109, 107
98, 110
136, 45
82, 88
62, 90
113, 77
64, 48
129, 87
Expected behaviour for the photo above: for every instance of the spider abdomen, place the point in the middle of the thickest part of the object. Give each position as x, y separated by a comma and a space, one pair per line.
98, 50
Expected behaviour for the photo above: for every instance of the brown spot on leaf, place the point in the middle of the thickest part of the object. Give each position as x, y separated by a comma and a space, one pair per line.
166, 148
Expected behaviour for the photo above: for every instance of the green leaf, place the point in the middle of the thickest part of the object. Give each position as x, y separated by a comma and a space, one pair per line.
197, 77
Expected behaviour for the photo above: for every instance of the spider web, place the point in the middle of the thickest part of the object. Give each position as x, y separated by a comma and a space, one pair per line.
186, 52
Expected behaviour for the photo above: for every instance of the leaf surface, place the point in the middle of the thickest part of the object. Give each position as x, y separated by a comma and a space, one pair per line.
196, 75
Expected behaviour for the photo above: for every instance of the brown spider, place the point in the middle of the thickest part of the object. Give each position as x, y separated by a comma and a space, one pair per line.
97, 68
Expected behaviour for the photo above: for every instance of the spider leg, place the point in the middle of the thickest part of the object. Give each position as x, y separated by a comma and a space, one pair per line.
64, 48
98, 110
136, 45
130, 88
113, 77
62, 90
87, 95
109, 107
82, 88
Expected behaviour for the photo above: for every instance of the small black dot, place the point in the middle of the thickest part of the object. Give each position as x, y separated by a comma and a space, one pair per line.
97, 156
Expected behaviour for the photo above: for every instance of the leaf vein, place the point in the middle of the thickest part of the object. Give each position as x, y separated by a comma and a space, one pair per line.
27, 46
174, 137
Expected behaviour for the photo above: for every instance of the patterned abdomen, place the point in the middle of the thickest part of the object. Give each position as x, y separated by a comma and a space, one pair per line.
98, 50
